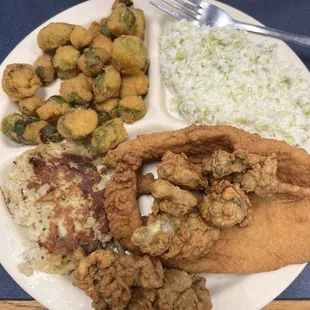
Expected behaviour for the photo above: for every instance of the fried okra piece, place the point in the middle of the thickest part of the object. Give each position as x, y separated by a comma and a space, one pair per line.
28, 106
132, 109
128, 3
121, 21
134, 85
52, 109
45, 69
107, 85
108, 136
94, 29
53, 36
29, 130
102, 41
77, 124
105, 29
80, 37
93, 60
20, 81
139, 27
77, 91
66, 62
129, 54
107, 110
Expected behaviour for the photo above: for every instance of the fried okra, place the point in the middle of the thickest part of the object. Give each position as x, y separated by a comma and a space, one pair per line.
108, 136
29, 130
132, 109
94, 29
139, 27
107, 110
28, 106
104, 30
77, 124
53, 36
77, 90
20, 81
129, 54
121, 21
52, 109
134, 85
93, 60
80, 37
66, 62
104, 42
107, 85
45, 69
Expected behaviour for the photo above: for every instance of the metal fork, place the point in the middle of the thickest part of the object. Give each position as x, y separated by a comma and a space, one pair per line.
201, 12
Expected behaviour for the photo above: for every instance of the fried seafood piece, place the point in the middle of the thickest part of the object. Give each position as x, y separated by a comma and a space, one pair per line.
134, 85
107, 110
102, 41
171, 199
80, 37
77, 124
121, 21
65, 62
226, 206
139, 26
52, 109
107, 85
122, 281
20, 81
45, 69
108, 136
129, 54
93, 60
177, 169
175, 238
54, 35
77, 91
28, 130
144, 183
132, 109
28, 106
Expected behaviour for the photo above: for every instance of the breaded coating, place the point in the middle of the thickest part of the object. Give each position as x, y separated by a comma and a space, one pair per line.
121, 21
134, 85
28, 130
171, 199
132, 109
107, 85
53, 36
20, 81
77, 91
226, 206
80, 37
105, 29
77, 124
128, 3
28, 106
45, 69
139, 27
107, 110
65, 62
129, 54
108, 136
94, 29
146, 66
145, 183
177, 169
52, 109
102, 41
93, 60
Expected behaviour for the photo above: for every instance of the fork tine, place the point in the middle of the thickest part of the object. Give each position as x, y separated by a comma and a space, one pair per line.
181, 8
194, 7
171, 13
196, 2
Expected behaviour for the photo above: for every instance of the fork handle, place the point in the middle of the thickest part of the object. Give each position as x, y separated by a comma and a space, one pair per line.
282, 35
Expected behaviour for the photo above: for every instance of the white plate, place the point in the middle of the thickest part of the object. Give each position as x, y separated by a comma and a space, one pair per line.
240, 292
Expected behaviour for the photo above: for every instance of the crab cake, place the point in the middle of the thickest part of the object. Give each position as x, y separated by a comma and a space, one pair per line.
53, 36
132, 109
129, 54
77, 124
134, 85
77, 91
20, 81
45, 69
80, 37
28, 106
